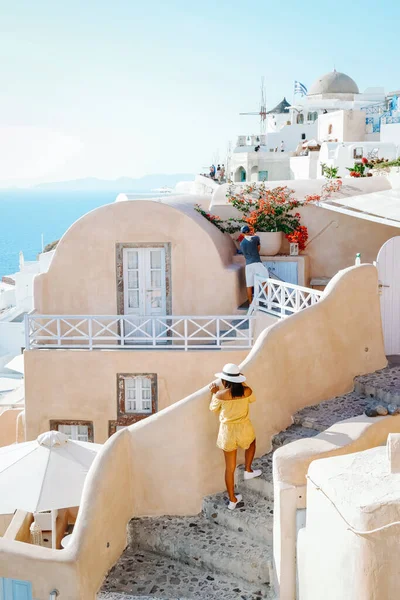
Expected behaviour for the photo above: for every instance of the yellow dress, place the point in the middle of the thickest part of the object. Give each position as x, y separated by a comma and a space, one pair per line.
235, 429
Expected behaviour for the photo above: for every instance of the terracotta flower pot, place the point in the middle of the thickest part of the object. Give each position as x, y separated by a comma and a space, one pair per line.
270, 241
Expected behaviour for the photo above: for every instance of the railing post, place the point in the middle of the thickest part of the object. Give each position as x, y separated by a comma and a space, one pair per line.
256, 299
269, 296
251, 332
90, 332
282, 295
185, 330
218, 333
122, 331
153, 331
297, 300
58, 330
27, 332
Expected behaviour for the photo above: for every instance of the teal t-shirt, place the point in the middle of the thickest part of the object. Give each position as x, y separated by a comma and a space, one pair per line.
250, 249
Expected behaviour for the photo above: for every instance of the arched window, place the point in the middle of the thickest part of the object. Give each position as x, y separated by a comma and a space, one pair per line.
330, 129
300, 119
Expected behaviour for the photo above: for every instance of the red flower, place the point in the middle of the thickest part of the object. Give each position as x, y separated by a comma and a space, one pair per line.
364, 161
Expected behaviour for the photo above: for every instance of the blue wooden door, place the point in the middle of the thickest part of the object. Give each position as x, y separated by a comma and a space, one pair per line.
285, 270
13, 589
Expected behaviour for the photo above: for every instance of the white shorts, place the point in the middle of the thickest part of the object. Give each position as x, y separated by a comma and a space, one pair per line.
255, 269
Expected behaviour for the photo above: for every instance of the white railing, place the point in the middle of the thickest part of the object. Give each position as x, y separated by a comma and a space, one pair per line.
133, 332
281, 299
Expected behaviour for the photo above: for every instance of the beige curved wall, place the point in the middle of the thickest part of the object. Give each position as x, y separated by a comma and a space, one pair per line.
82, 276
167, 463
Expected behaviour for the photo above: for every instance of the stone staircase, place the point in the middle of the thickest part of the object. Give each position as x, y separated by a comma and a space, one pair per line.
221, 554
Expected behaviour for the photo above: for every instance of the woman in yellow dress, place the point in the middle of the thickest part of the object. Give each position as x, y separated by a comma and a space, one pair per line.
235, 429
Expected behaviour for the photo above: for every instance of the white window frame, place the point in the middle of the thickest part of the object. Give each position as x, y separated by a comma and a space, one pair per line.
74, 432
140, 404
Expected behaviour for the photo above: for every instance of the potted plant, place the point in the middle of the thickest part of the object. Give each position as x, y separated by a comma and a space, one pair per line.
269, 213
361, 169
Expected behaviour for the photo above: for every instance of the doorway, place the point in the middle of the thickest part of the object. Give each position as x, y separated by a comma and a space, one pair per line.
144, 282
389, 289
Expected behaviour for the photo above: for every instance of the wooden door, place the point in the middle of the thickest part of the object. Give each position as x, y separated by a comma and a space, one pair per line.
388, 264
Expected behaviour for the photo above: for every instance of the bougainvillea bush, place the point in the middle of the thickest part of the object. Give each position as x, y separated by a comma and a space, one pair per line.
266, 209
270, 210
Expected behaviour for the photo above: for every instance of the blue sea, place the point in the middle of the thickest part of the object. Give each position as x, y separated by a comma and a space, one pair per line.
27, 214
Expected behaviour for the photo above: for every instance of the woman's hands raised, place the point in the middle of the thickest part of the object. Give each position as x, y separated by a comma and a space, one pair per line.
213, 388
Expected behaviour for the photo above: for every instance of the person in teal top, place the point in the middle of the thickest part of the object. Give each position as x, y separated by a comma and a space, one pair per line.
250, 247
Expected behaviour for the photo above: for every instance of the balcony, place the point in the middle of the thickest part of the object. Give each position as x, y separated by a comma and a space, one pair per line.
98, 332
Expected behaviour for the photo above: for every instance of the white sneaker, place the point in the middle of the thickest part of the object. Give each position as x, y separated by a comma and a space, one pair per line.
256, 473
232, 505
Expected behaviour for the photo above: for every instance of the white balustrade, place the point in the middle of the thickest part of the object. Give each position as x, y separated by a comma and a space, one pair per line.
281, 299
136, 332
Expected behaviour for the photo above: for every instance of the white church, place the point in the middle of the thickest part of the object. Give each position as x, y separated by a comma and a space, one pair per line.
333, 123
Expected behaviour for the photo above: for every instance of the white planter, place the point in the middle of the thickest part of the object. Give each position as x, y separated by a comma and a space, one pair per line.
270, 241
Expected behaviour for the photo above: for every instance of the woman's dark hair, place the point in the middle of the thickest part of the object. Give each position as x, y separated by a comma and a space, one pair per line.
237, 389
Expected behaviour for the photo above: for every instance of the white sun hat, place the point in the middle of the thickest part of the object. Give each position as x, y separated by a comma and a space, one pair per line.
231, 372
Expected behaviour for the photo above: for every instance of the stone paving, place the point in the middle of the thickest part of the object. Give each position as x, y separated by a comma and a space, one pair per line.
199, 542
324, 415
383, 385
148, 575
254, 515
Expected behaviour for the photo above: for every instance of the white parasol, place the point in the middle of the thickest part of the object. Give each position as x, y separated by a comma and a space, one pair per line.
46, 474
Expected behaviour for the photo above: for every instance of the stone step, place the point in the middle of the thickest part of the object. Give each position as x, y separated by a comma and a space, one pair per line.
292, 433
252, 518
197, 541
147, 575
262, 485
327, 413
383, 385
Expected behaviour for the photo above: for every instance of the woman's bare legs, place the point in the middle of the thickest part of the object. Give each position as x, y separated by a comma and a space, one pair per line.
230, 467
248, 457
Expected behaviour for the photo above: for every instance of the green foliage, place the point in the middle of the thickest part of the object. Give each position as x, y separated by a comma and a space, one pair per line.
387, 163
330, 172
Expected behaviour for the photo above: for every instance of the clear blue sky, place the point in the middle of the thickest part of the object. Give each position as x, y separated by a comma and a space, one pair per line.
127, 87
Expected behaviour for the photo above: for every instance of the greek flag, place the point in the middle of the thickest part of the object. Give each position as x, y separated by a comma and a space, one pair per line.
300, 88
